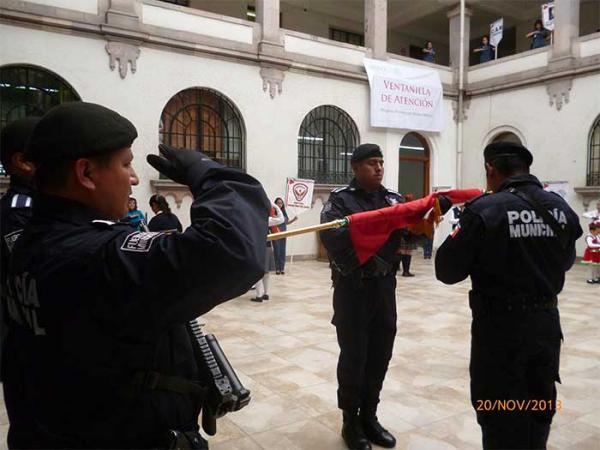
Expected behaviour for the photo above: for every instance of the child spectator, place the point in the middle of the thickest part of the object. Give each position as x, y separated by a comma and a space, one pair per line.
538, 35
485, 50
164, 218
429, 52
136, 218
591, 257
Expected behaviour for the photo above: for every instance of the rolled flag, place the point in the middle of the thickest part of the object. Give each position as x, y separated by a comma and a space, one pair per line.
371, 229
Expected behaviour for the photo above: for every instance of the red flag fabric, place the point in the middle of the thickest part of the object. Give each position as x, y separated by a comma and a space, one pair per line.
370, 230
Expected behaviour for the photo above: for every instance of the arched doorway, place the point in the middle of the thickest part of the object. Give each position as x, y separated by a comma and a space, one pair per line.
413, 171
30, 91
205, 120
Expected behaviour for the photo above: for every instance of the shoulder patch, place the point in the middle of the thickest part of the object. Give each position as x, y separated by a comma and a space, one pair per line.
11, 238
140, 241
393, 199
20, 201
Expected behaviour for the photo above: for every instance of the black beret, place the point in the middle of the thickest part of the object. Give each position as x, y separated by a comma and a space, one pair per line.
366, 151
78, 129
503, 149
14, 138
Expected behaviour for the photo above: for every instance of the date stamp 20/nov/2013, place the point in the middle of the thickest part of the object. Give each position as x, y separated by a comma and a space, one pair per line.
517, 405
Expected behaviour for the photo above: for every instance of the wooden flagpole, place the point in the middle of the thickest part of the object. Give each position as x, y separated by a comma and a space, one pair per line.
312, 229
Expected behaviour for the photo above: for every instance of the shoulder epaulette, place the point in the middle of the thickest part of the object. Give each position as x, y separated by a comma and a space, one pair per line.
470, 202
21, 201
557, 194
391, 191
341, 189
103, 224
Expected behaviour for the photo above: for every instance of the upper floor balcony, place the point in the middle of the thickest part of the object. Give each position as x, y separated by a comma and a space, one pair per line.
334, 36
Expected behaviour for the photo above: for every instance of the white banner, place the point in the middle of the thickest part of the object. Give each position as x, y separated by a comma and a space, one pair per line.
548, 16
405, 97
496, 31
299, 193
560, 187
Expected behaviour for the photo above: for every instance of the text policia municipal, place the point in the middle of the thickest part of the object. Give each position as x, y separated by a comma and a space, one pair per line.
526, 223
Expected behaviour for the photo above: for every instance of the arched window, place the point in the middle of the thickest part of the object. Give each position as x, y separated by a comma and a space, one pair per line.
30, 91
413, 171
326, 140
203, 119
507, 136
593, 171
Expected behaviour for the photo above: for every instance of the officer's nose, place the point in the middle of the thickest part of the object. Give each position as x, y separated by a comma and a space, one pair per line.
133, 178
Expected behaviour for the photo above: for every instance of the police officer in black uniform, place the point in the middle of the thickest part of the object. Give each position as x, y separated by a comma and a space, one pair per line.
516, 245
15, 205
15, 212
98, 310
364, 301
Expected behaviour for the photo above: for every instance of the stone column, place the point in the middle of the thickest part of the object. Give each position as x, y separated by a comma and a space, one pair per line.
454, 18
376, 28
566, 27
267, 15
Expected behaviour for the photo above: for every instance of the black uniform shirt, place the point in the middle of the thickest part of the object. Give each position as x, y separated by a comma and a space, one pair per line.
506, 248
164, 221
349, 200
15, 211
94, 302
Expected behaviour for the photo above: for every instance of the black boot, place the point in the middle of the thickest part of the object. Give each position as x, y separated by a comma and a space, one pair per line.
373, 429
352, 432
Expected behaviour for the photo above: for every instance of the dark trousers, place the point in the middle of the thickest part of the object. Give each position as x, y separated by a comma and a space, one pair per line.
515, 357
279, 250
365, 321
427, 248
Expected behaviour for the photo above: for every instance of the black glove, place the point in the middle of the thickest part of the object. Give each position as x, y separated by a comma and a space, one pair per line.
445, 204
180, 165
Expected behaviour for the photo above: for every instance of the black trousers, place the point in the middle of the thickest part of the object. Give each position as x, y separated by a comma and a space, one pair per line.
365, 321
514, 367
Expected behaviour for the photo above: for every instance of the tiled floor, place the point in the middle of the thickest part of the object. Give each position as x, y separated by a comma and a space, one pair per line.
285, 352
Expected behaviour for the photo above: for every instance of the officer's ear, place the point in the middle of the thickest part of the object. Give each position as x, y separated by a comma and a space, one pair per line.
20, 164
84, 169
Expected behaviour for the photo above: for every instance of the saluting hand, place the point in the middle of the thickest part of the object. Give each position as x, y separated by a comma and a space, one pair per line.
177, 164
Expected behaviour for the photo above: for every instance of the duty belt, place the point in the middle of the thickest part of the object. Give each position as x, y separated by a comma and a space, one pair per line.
512, 304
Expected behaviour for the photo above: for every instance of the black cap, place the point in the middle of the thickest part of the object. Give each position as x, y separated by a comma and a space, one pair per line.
78, 129
504, 149
14, 138
366, 151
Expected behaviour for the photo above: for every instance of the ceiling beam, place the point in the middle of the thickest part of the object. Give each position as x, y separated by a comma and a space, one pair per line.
411, 11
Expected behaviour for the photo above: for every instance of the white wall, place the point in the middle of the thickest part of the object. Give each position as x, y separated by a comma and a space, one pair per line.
271, 124
557, 139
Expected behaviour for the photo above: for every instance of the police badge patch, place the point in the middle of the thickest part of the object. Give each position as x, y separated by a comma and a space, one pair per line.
391, 200
11, 238
140, 241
